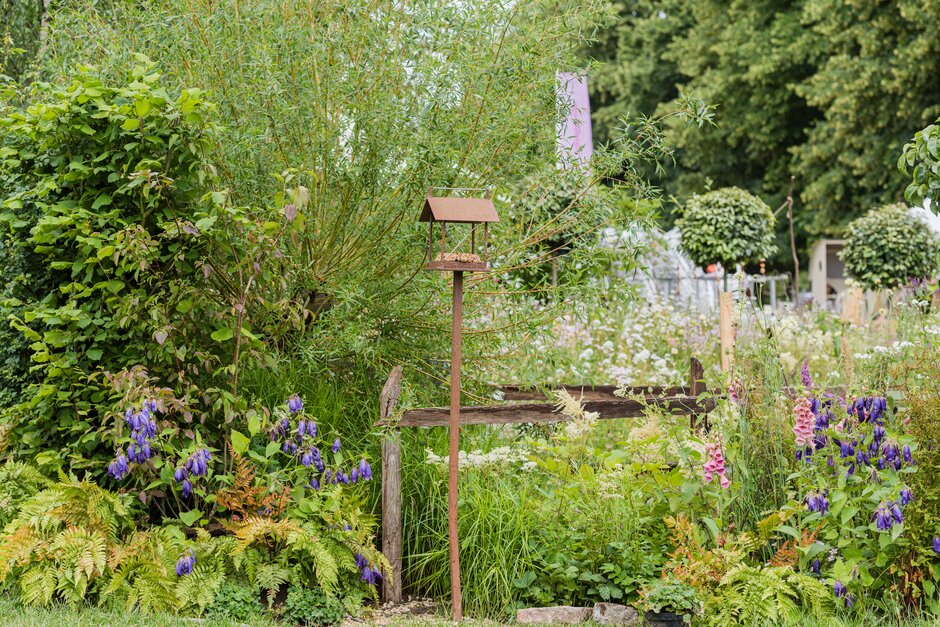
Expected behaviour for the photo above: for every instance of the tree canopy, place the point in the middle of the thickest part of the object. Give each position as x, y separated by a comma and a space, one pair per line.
826, 91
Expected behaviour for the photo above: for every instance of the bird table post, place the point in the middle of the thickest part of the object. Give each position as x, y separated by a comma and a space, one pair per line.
466, 214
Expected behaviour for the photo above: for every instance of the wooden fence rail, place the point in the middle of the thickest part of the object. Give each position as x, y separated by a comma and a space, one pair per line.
686, 401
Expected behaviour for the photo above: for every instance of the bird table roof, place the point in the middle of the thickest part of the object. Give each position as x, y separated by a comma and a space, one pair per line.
458, 210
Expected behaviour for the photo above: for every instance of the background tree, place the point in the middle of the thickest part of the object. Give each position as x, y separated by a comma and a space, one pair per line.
828, 91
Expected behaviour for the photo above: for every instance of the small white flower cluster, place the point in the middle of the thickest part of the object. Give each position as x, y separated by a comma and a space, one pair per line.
501, 456
610, 483
895, 348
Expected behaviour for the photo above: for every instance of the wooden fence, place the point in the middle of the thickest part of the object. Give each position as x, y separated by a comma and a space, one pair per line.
600, 399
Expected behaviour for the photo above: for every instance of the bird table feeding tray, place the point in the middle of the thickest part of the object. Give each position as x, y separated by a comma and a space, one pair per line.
462, 215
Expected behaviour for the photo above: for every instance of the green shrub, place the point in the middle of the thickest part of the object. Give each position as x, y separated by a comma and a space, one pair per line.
99, 184
887, 247
235, 602
727, 226
310, 606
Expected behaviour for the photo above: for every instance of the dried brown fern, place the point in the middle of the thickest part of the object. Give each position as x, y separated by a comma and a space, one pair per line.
245, 498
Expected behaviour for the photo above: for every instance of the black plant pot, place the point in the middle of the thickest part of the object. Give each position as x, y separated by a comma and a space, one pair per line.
664, 619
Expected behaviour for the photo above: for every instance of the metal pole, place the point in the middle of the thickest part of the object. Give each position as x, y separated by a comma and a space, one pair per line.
455, 447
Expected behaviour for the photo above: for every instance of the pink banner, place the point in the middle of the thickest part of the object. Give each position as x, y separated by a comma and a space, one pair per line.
575, 140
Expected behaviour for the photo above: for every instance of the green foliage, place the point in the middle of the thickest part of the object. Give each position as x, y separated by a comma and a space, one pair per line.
888, 247
311, 606
18, 483
828, 91
728, 226
99, 182
474, 106
920, 160
58, 545
236, 603
20, 24
750, 595
670, 595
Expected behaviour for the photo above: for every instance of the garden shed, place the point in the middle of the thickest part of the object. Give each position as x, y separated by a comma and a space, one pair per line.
826, 272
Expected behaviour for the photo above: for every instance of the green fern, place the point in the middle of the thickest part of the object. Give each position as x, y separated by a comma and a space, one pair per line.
58, 544
18, 482
766, 596
143, 571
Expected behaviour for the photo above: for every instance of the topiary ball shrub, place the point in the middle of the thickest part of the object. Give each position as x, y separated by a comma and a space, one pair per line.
887, 247
727, 226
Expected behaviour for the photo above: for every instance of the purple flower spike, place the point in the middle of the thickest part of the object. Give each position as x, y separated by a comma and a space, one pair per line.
118, 468
907, 454
315, 484
336, 445
805, 376
936, 545
187, 489
896, 513
181, 474
815, 567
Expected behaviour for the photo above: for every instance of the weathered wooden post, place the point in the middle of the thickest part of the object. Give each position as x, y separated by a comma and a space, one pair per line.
465, 211
391, 489
696, 387
726, 327
852, 306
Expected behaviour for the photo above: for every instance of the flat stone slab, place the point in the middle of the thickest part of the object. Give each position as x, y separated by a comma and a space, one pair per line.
558, 615
615, 614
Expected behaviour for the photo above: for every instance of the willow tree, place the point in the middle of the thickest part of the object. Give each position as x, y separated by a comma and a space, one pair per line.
363, 105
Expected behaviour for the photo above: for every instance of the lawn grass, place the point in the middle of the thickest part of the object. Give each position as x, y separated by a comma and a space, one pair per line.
15, 615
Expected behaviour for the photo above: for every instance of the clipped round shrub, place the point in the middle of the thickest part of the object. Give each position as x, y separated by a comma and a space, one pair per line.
889, 246
727, 226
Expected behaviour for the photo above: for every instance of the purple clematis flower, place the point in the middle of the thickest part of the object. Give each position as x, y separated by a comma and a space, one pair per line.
185, 564
365, 470
839, 589
906, 496
294, 404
